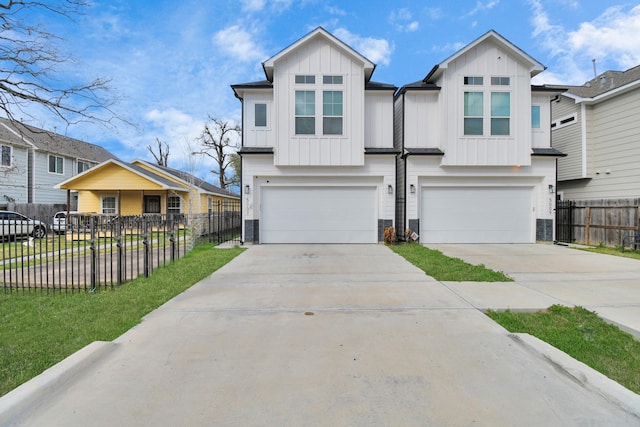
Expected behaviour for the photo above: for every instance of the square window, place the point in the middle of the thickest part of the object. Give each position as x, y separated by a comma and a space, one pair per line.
82, 166
499, 126
305, 125
472, 126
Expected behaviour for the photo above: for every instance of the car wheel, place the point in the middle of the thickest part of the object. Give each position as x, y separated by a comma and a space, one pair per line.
39, 232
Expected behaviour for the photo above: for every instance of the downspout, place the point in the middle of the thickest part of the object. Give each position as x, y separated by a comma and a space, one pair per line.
405, 225
240, 171
583, 130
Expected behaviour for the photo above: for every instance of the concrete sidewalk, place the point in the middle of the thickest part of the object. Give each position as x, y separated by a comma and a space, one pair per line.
321, 335
548, 274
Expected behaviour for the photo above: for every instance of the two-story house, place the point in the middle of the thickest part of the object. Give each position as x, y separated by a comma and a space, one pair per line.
33, 161
597, 125
318, 161
477, 164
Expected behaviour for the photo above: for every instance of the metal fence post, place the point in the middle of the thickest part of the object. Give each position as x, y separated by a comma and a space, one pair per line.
145, 252
93, 274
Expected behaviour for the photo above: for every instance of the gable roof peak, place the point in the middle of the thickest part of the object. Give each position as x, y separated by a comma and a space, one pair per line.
268, 65
535, 67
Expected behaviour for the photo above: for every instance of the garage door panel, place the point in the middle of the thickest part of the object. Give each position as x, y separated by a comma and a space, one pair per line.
476, 215
318, 215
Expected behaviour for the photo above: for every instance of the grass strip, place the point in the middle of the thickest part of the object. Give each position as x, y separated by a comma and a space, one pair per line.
39, 331
584, 336
607, 250
444, 268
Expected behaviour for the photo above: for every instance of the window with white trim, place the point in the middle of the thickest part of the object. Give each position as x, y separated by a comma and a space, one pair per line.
56, 164
82, 166
305, 112
306, 79
109, 205
260, 115
497, 109
6, 155
173, 205
332, 112
535, 117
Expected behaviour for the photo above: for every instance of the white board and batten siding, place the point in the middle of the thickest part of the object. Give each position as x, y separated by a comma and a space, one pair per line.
378, 129
486, 60
422, 120
258, 136
319, 58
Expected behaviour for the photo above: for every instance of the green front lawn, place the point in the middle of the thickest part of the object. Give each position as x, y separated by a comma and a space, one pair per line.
39, 331
444, 268
584, 336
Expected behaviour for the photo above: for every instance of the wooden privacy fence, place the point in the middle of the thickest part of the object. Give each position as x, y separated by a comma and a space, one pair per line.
593, 222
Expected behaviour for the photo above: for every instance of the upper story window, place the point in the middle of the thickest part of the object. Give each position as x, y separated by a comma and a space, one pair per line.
260, 116
56, 164
498, 109
306, 79
305, 112
500, 81
82, 166
474, 81
5, 159
332, 112
535, 117
332, 80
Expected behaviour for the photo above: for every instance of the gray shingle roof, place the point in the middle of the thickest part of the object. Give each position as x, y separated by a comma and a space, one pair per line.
605, 82
18, 133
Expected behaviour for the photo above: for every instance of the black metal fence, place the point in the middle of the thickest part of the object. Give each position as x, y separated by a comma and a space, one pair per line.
565, 221
91, 252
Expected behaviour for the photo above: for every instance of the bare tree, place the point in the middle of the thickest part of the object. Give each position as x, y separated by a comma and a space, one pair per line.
162, 156
30, 62
217, 143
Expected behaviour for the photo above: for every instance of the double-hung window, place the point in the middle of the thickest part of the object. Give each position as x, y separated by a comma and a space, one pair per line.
83, 166
56, 164
332, 112
173, 205
5, 159
260, 115
305, 112
109, 205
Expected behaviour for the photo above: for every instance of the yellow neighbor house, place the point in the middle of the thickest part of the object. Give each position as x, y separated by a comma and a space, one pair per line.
115, 187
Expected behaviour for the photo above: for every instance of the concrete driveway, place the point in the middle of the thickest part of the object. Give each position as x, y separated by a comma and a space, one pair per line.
348, 335
548, 274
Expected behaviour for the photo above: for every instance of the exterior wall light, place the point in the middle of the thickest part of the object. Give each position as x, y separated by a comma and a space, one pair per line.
247, 189
552, 189
390, 189
412, 189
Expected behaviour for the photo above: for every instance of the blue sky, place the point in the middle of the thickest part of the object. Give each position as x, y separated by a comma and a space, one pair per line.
171, 62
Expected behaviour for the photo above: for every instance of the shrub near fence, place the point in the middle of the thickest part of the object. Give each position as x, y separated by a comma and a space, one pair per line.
100, 251
603, 221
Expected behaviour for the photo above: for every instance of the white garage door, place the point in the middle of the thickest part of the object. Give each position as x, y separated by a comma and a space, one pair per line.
318, 215
476, 215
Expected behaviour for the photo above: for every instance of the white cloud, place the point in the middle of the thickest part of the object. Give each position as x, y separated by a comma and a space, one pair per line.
239, 43
253, 5
614, 34
402, 20
483, 6
376, 50
612, 39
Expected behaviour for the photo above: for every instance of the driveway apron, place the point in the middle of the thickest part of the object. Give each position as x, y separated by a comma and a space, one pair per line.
337, 335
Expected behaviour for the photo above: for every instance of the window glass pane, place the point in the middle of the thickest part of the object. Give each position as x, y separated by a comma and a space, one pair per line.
472, 126
332, 80
478, 81
6, 155
59, 164
499, 126
473, 103
109, 205
332, 103
535, 116
52, 164
500, 104
305, 79
261, 114
305, 125
173, 204
332, 125
305, 103
500, 81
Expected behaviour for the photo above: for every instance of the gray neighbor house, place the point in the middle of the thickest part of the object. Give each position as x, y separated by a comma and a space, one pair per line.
34, 160
596, 125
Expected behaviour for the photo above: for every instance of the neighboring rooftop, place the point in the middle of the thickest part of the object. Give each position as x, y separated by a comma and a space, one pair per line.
605, 82
20, 134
